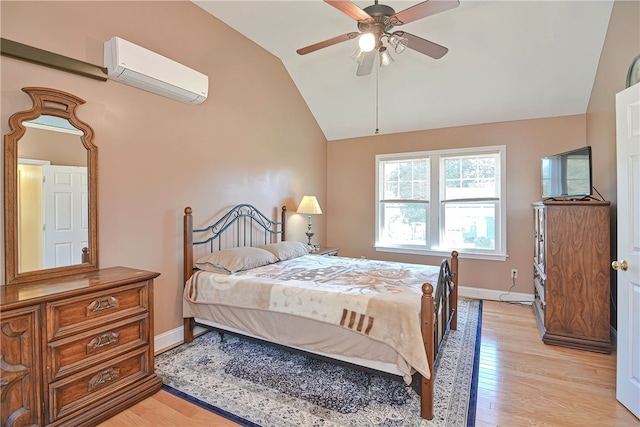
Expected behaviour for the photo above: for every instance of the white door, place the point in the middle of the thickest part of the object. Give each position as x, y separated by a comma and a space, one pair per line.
66, 219
628, 182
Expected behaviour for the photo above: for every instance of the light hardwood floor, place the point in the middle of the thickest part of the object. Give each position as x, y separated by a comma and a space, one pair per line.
522, 382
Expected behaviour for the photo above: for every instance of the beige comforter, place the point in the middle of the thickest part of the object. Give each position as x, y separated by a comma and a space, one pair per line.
375, 298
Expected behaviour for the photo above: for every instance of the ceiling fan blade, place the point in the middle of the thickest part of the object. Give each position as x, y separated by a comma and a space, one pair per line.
421, 45
422, 10
350, 9
326, 43
364, 69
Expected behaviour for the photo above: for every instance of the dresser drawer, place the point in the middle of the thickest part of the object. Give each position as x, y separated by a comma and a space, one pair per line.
86, 312
94, 385
79, 351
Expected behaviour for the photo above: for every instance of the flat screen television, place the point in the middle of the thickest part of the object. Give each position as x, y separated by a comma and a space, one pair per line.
567, 175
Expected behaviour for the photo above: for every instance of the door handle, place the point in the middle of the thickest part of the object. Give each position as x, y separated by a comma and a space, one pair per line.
620, 265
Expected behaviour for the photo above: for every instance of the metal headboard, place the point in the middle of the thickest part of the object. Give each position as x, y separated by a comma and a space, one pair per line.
442, 302
242, 225
248, 225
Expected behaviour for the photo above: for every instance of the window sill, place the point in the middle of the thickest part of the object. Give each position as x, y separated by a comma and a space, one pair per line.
443, 254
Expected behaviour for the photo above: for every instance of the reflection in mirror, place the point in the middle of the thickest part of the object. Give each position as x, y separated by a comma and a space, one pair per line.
50, 190
52, 195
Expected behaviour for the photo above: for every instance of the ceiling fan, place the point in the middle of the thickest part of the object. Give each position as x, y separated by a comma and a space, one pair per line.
376, 23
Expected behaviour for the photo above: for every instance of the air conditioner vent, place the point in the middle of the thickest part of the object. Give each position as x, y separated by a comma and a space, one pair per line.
139, 67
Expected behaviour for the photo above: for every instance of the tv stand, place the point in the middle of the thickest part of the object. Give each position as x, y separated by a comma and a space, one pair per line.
586, 198
571, 273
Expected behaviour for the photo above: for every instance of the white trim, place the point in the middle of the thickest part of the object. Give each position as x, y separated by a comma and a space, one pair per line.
495, 295
166, 340
434, 235
24, 161
443, 253
52, 128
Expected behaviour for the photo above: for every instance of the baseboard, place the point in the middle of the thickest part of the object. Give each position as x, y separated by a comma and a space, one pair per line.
166, 340
614, 339
495, 295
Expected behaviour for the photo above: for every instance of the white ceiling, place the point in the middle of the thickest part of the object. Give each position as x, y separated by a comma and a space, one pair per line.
507, 60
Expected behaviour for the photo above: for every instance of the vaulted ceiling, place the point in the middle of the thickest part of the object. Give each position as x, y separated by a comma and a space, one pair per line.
507, 60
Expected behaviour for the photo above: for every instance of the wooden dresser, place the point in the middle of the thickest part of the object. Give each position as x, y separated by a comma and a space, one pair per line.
571, 268
78, 349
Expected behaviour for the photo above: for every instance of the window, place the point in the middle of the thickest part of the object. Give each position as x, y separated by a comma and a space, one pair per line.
433, 202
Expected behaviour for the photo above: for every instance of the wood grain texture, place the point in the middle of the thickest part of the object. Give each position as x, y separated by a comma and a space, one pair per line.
522, 382
574, 273
81, 347
19, 373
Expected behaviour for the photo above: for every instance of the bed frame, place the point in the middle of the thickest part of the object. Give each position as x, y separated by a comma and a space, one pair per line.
244, 225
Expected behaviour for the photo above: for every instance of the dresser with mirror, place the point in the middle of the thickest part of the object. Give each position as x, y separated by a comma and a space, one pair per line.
76, 341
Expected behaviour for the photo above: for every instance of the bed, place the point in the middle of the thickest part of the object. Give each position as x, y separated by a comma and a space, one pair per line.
241, 275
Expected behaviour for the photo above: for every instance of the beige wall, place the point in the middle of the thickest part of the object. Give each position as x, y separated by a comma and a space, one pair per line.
621, 46
351, 189
253, 140
351, 168
58, 147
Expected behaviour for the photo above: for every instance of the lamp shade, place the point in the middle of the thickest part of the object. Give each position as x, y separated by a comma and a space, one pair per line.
399, 43
385, 57
358, 56
309, 205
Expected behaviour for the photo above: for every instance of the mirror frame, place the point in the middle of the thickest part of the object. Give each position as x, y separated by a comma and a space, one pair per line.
52, 102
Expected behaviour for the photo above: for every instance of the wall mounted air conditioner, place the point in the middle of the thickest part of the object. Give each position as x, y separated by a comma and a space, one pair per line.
136, 66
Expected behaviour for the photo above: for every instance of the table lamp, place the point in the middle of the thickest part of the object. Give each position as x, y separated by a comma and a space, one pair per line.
309, 205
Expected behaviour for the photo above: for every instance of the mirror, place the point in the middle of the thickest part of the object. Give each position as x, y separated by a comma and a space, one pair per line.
50, 190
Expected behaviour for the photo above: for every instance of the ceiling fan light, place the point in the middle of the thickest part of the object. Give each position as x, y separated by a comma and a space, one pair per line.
358, 56
399, 43
367, 42
385, 57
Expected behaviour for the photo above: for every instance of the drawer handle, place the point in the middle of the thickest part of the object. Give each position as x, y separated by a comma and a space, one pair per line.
103, 377
102, 304
102, 341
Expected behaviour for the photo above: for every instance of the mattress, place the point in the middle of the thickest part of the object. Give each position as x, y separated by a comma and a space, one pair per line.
341, 307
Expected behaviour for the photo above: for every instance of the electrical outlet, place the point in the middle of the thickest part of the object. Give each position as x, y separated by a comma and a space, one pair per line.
514, 273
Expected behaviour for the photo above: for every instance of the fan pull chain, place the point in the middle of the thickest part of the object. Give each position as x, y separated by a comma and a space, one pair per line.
377, 129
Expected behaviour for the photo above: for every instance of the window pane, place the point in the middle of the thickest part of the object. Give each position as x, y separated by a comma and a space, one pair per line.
404, 223
471, 176
466, 213
391, 190
470, 225
406, 179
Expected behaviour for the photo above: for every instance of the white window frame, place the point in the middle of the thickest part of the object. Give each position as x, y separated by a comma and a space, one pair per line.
436, 207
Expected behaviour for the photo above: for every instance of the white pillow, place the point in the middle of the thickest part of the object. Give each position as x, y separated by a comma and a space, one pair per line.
287, 249
236, 259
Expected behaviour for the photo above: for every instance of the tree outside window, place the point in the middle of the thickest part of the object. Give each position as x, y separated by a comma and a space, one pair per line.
441, 200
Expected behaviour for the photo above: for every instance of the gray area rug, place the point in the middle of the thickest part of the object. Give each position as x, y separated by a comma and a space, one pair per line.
248, 381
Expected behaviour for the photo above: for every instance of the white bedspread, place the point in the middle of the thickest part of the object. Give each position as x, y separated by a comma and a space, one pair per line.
379, 299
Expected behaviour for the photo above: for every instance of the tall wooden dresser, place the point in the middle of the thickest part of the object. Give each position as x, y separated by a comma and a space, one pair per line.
78, 349
571, 273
